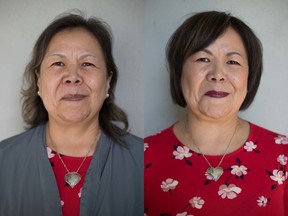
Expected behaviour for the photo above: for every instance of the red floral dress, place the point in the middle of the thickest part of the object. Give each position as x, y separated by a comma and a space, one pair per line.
254, 181
70, 197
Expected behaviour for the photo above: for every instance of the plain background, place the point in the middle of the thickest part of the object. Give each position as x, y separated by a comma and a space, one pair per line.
141, 29
22, 21
267, 18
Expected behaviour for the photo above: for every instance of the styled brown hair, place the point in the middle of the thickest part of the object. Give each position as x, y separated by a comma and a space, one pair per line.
33, 110
199, 31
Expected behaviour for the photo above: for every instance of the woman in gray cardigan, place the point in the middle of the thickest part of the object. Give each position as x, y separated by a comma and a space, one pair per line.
74, 159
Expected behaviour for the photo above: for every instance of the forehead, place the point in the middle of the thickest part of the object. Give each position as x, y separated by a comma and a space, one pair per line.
229, 41
230, 35
74, 38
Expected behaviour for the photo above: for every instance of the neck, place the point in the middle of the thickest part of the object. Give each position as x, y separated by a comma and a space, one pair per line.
211, 137
72, 140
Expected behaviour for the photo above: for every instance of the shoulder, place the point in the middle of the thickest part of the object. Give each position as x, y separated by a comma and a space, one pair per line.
133, 140
134, 143
22, 139
134, 146
163, 142
266, 134
268, 138
166, 134
20, 149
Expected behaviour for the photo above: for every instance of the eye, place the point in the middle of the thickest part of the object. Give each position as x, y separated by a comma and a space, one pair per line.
58, 64
203, 60
88, 64
232, 62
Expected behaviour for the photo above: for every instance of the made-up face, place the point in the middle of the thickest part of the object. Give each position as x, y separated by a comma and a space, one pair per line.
214, 80
73, 81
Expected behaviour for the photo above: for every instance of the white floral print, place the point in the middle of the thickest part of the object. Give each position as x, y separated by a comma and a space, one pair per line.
182, 152
239, 170
235, 186
281, 139
62, 202
169, 184
278, 176
80, 193
183, 214
282, 159
229, 191
262, 201
250, 146
196, 202
49, 152
146, 145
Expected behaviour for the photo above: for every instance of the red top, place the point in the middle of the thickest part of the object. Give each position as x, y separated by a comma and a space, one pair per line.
70, 197
254, 181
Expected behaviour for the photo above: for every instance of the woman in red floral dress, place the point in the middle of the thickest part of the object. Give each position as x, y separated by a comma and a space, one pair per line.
213, 162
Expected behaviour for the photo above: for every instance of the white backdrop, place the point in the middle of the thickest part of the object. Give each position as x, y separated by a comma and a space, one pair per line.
22, 21
267, 18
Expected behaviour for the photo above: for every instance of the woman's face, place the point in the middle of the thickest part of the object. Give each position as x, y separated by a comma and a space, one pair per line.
214, 80
73, 81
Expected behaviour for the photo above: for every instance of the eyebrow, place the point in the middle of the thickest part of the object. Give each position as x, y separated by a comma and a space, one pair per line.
228, 54
81, 57
56, 54
233, 53
88, 55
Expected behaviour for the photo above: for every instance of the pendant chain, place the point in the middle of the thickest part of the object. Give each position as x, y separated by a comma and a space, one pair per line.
193, 141
81, 162
73, 178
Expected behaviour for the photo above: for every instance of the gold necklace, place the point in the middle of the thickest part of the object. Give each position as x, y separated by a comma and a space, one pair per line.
213, 172
73, 178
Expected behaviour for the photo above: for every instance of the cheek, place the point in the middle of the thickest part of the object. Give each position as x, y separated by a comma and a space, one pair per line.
241, 82
42, 84
240, 85
184, 85
98, 86
190, 82
91, 82
47, 84
49, 88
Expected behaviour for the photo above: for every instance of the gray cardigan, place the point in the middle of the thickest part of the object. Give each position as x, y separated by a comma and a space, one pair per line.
113, 183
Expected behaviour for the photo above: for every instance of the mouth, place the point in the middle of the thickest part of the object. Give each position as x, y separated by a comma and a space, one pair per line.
216, 94
73, 97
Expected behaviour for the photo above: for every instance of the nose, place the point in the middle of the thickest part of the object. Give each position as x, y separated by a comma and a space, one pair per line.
73, 76
217, 73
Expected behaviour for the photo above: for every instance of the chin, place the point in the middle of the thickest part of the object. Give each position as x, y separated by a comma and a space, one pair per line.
218, 116
217, 113
74, 117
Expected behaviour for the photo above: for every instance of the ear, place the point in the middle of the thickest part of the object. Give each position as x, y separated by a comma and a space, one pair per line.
108, 81
37, 77
38, 85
